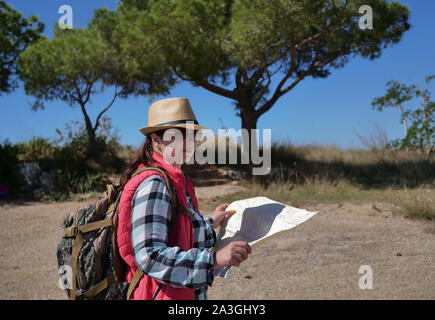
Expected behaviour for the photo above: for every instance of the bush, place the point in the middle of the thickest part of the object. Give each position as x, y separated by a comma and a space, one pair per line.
10, 175
66, 161
71, 168
36, 149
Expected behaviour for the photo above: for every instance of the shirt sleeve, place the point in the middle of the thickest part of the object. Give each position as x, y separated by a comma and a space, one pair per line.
210, 234
210, 240
151, 212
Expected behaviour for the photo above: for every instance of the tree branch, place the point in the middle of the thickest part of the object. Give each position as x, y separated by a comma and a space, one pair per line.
72, 97
314, 66
216, 89
321, 33
97, 122
209, 86
89, 86
179, 75
264, 89
277, 94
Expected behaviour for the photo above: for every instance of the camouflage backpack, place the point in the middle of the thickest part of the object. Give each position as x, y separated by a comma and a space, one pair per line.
90, 266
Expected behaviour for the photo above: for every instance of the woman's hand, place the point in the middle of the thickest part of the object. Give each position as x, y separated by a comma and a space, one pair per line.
232, 254
220, 216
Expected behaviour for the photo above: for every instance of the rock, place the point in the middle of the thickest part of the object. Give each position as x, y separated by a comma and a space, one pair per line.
233, 175
30, 171
46, 181
398, 254
376, 208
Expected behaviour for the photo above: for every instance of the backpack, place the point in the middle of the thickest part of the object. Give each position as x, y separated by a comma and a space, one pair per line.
90, 266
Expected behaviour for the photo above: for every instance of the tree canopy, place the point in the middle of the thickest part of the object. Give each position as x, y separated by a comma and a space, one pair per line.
235, 48
421, 134
16, 34
255, 51
77, 64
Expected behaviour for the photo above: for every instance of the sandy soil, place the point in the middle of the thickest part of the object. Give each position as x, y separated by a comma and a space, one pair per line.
319, 259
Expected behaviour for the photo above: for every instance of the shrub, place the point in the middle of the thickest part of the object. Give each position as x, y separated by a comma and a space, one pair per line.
36, 149
10, 174
66, 160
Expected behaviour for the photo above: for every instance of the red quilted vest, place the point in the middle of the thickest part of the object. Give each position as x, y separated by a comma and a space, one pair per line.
181, 235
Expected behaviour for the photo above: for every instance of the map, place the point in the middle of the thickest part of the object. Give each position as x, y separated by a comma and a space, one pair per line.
256, 220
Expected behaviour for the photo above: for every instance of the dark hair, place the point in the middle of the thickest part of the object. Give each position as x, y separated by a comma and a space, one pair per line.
144, 155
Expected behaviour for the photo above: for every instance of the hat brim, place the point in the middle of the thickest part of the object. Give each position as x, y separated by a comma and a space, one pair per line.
147, 130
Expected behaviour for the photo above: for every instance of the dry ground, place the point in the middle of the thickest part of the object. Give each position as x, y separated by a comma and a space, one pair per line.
319, 259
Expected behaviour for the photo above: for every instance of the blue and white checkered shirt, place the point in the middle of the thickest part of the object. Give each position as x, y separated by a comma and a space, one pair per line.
151, 211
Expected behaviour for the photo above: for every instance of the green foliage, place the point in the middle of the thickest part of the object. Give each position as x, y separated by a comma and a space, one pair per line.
74, 172
303, 38
421, 133
71, 173
80, 63
9, 171
16, 34
139, 69
36, 149
74, 139
397, 94
66, 159
66, 66
234, 48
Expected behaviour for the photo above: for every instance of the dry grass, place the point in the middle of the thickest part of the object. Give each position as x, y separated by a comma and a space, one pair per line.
412, 203
328, 174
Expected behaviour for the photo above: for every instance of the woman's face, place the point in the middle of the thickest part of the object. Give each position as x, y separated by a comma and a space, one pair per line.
176, 145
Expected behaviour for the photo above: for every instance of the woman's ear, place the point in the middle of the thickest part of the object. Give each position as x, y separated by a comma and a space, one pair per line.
154, 138
156, 143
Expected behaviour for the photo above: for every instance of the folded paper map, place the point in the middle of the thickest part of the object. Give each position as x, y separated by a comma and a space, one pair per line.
256, 220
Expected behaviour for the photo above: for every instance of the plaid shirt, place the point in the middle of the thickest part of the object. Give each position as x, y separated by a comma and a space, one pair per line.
170, 265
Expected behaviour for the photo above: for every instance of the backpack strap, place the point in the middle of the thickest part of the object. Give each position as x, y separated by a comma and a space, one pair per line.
175, 207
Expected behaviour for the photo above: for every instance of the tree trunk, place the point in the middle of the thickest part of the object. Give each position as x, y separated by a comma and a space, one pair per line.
249, 122
93, 146
92, 151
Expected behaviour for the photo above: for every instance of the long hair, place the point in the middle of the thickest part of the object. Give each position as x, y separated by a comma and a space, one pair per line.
144, 155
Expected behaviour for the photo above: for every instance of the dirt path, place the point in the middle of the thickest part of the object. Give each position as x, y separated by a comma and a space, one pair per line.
320, 259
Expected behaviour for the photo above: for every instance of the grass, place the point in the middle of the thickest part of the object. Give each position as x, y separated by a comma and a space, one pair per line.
412, 203
328, 174
418, 206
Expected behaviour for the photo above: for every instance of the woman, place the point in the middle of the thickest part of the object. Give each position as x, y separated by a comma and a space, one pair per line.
179, 264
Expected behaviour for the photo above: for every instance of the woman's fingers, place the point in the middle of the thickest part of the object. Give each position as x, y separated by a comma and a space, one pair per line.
236, 260
243, 244
248, 248
220, 215
240, 252
222, 207
229, 213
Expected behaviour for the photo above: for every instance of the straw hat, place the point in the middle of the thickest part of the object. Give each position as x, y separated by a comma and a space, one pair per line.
170, 113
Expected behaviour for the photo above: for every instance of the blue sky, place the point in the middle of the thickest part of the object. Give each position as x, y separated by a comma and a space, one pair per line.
322, 111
